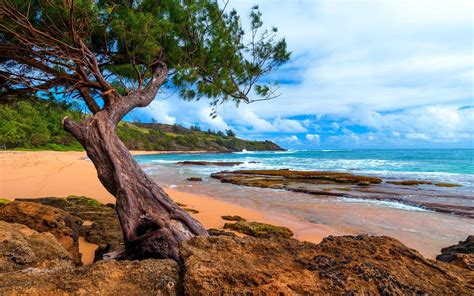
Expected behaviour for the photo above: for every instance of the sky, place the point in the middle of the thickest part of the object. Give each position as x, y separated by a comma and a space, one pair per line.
363, 74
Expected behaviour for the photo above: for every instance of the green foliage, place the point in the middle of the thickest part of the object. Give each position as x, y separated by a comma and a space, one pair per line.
4, 201
202, 45
230, 133
37, 125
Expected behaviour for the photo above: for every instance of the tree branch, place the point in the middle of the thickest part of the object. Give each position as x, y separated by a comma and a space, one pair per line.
90, 102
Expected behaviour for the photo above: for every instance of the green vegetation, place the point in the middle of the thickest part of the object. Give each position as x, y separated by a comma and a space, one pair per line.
233, 218
257, 229
4, 201
36, 125
83, 201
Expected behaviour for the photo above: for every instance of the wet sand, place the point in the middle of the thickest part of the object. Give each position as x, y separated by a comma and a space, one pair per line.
60, 174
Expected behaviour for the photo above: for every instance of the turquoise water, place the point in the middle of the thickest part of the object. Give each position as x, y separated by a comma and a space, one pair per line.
421, 229
446, 165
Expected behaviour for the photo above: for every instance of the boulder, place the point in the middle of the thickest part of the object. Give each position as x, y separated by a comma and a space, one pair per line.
236, 218
103, 227
21, 247
194, 179
257, 229
147, 277
346, 265
461, 254
62, 225
217, 232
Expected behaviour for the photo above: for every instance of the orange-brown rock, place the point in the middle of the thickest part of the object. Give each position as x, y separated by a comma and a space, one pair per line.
461, 254
103, 227
346, 265
62, 225
22, 247
147, 277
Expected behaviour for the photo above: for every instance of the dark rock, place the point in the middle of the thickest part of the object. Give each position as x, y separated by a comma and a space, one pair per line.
346, 265
192, 211
257, 229
21, 247
194, 179
233, 218
147, 277
62, 225
461, 254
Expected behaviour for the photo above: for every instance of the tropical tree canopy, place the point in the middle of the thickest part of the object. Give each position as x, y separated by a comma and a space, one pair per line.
88, 48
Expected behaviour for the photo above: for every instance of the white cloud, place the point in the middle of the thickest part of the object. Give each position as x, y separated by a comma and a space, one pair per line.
314, 138
158, 110
216, 123
290, 139
288, 125
399, 68
247, 117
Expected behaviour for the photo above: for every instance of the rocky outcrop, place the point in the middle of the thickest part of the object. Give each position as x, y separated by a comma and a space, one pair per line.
422, 182
461, 254
340, 184
194, 179
227, 265
270, 178
102, 227
346, 265
41, 218
257, 229
22, 247
147, 277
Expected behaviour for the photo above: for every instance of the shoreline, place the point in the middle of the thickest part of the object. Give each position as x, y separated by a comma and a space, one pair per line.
34, 174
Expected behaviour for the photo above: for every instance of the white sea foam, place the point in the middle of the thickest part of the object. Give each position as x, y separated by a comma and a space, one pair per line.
389, 204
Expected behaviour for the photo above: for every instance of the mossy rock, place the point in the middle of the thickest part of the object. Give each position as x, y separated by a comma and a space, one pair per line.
83, 201
441, 184
192, 211
4, 201
220, 232
410, 182
233, 218
421, 182
257, 229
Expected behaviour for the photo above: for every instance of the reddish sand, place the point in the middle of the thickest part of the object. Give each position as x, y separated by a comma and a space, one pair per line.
41, 174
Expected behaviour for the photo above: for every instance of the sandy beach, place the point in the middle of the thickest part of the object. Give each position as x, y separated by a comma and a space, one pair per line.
60, 174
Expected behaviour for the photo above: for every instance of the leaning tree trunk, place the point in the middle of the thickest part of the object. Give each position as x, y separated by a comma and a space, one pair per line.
153, 225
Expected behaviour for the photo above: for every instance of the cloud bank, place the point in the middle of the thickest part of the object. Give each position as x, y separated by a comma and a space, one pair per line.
363, 74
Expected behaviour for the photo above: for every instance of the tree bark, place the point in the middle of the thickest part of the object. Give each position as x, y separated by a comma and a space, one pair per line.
153, 225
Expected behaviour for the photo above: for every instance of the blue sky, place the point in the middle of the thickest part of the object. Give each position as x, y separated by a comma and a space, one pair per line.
363, 74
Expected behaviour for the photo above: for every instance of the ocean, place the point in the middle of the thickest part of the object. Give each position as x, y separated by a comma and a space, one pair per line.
417, 227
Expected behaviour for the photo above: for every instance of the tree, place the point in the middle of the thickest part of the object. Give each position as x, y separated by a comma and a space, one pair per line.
195, 128
230, 133
114, 56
